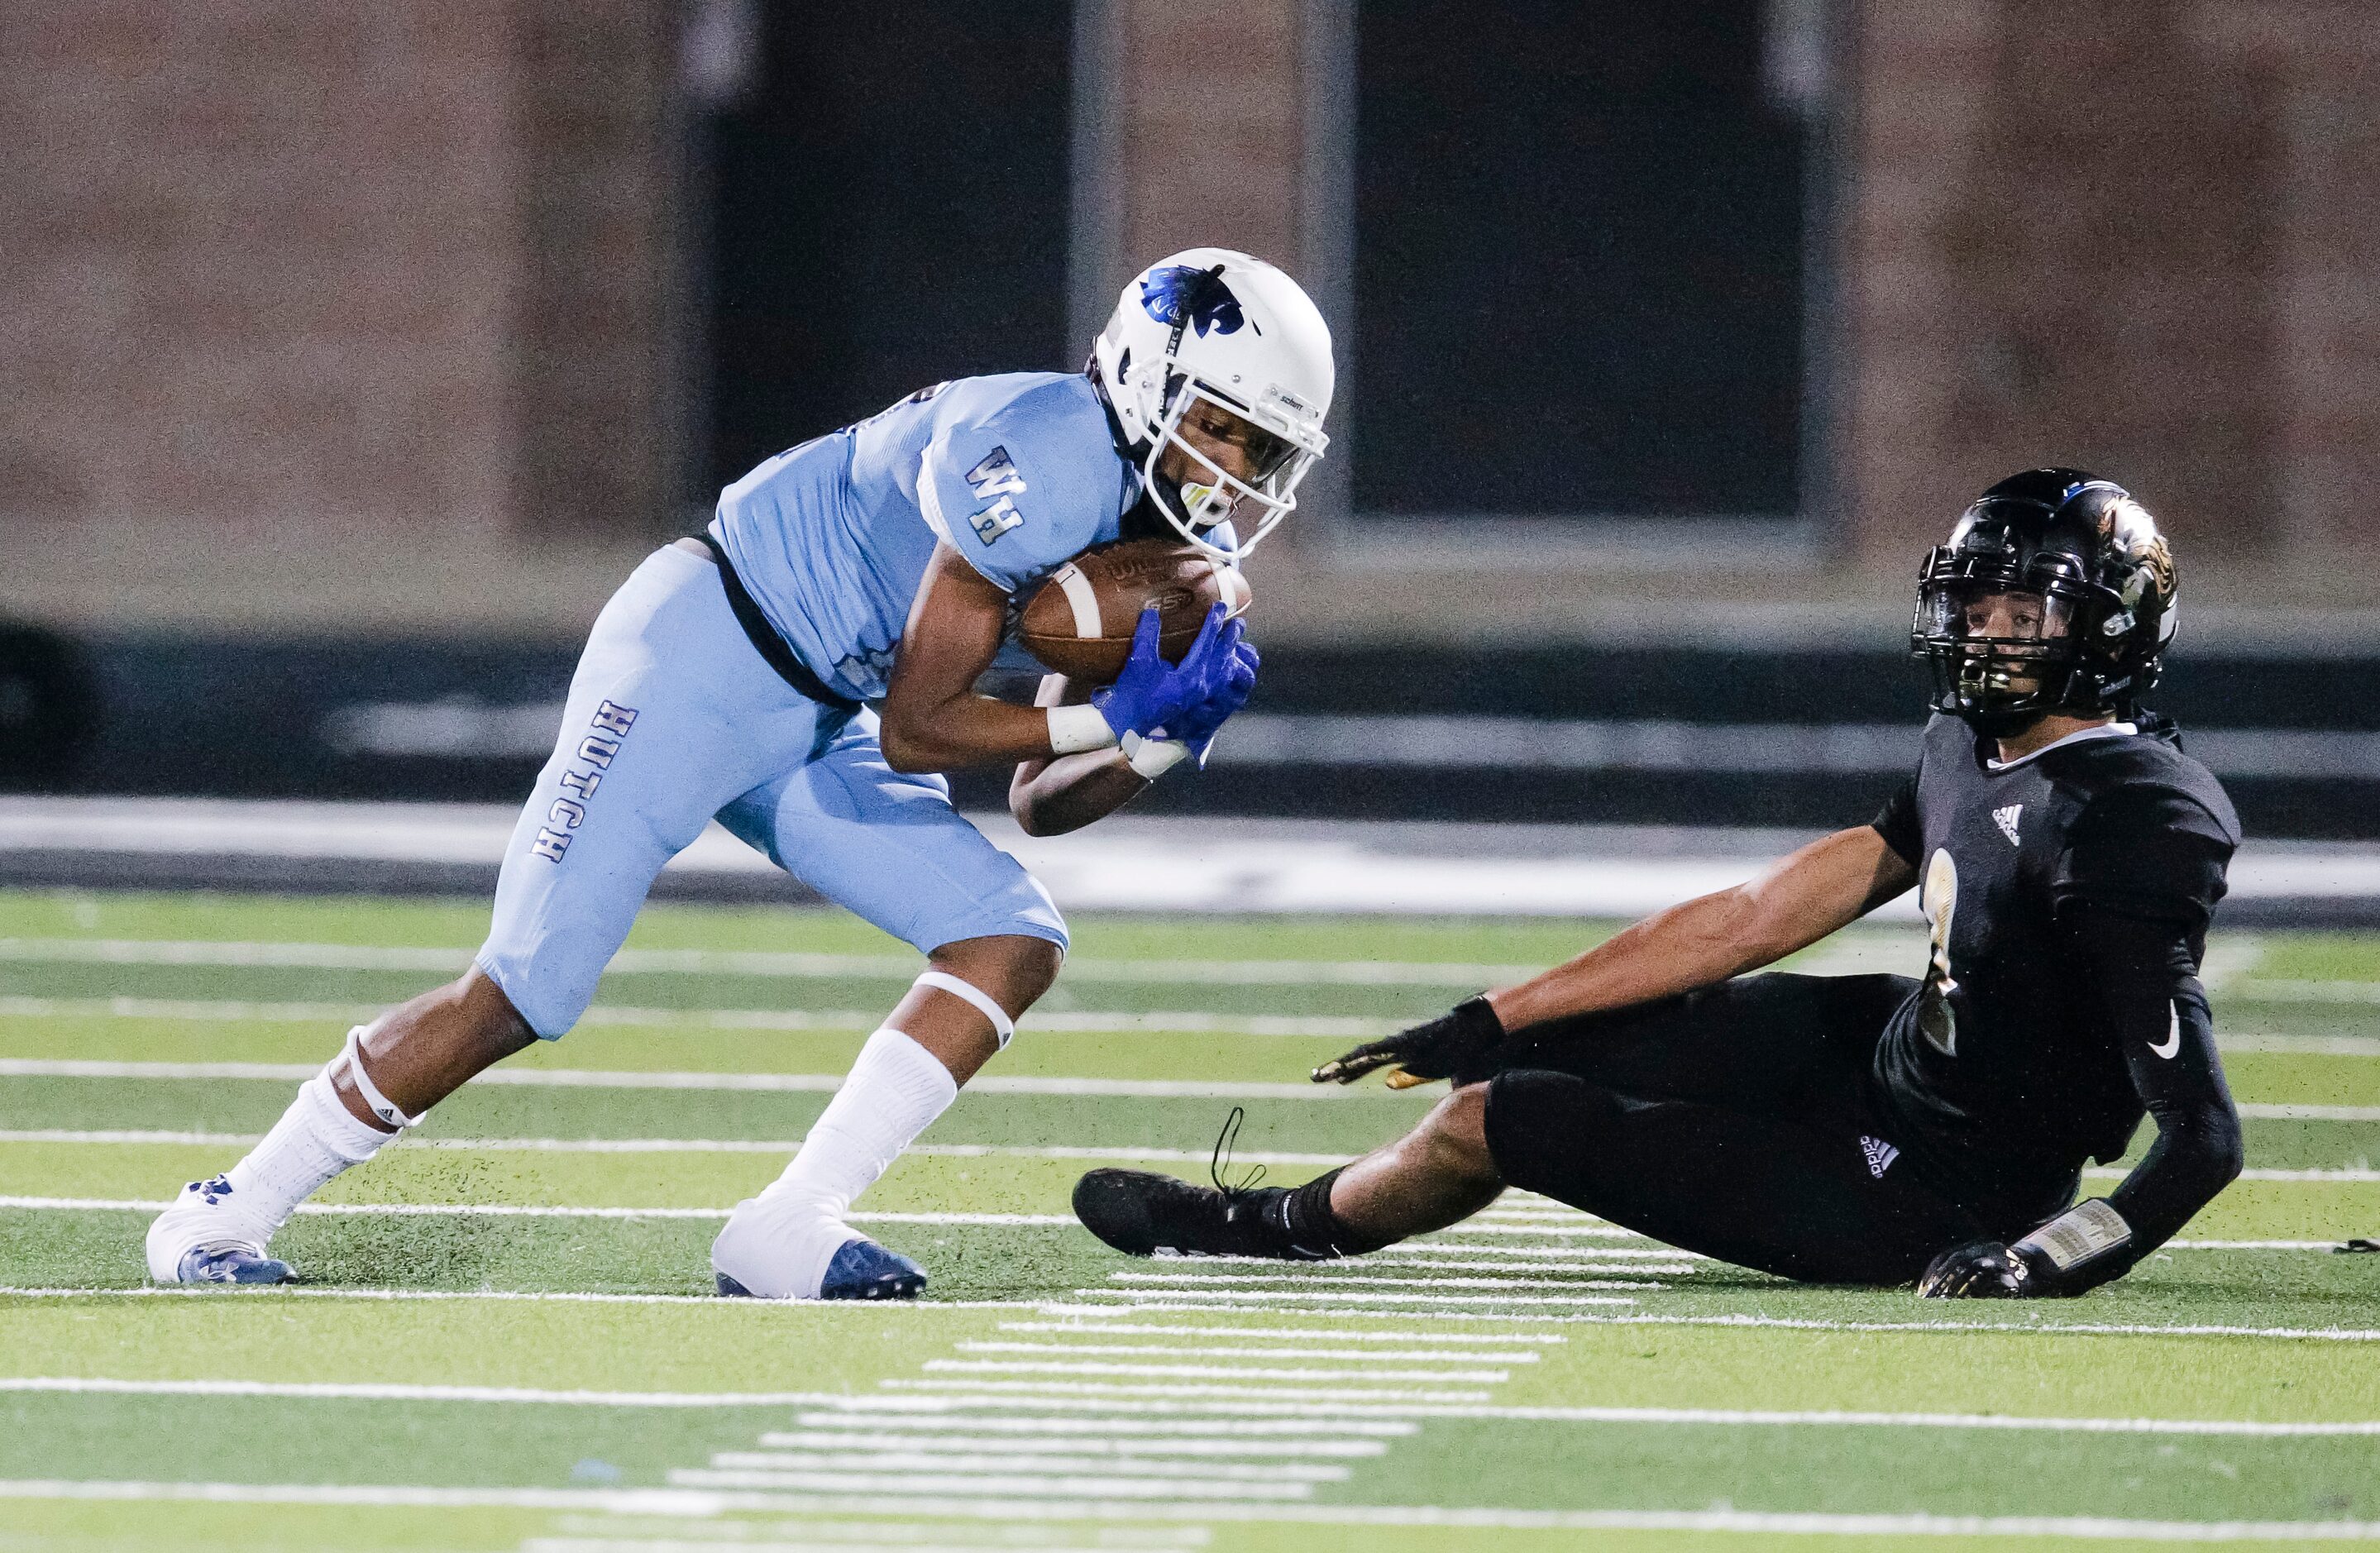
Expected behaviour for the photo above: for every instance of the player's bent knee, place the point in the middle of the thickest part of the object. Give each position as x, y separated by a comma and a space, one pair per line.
493, 1017
1456, 1133
1015, 968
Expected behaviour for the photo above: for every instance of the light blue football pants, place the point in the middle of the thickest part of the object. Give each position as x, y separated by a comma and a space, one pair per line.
675, 718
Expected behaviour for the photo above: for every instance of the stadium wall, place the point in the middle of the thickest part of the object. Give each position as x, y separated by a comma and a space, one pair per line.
326, 319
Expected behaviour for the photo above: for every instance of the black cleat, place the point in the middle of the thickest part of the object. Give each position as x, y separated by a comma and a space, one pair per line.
1144, 1214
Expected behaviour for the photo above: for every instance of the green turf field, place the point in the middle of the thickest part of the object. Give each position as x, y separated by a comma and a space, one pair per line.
504, 1339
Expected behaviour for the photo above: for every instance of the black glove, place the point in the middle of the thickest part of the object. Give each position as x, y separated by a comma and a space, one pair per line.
2072, 1254
1983, 1269
1448, 1045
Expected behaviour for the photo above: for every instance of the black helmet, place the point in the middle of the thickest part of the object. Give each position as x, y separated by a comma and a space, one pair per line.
2056, 593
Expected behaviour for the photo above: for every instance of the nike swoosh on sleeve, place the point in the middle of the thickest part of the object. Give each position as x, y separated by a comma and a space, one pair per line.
2170, 1047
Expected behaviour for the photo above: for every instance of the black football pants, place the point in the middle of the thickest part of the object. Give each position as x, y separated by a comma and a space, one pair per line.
1733, 1120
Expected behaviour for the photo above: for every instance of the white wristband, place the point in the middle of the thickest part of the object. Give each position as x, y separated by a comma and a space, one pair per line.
1073, 730
1152, 757
2087, 1229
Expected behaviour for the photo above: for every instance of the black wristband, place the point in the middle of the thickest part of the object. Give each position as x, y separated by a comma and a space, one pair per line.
1477, 1034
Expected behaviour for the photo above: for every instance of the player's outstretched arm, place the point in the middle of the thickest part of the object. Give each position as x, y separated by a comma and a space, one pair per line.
1793, 905
1798, 900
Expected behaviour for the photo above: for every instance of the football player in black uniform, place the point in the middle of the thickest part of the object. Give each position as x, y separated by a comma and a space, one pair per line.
1863, 1129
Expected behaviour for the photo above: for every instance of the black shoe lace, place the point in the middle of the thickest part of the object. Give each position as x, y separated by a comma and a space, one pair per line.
1221, 1159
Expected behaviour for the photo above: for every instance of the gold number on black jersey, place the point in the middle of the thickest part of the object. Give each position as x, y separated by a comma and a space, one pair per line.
1935, 1020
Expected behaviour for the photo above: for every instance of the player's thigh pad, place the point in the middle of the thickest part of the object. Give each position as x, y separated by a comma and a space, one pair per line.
1759, 1044
672, 713
888, 846
1799, 1201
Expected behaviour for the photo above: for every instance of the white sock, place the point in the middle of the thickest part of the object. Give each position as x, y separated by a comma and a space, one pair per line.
778, 1244
315, 1139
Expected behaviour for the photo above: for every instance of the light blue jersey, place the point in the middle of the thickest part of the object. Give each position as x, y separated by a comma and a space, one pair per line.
1018, 472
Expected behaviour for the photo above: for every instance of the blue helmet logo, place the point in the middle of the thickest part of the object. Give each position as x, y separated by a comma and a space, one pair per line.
1180, 296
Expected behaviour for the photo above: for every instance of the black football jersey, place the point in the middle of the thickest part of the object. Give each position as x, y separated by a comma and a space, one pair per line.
2001, 1070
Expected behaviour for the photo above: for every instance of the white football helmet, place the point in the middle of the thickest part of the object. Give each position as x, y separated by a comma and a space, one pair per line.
1212, 324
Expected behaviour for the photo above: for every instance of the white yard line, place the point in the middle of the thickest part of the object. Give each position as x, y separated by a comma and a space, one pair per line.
261, 1012
1165, 1350
523, 1210
999, 1458
2301, 1046
598, 1542
1187, 1390
1877, 1418
1556, 1253
1319, 1334
1160, 1088
1725, 1417
784, 1147
2284, 989
690, 1503
2352, 1173
1027, 1485
1990, 1422
805, 1541
531, 1296
2261, 1111
1573, 1232
1294, 1416
756, 963
1204, 1371
1077, 1444
1269, 1281
1195, 1302
576, 1078
967, 1413
1376, 1296
1550, 1210
1491, 1221
1499, 1258
395, 1392
1545, 1270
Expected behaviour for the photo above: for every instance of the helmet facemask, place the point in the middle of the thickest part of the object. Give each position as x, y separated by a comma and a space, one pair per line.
2055, 594
2006, 644
1210, 495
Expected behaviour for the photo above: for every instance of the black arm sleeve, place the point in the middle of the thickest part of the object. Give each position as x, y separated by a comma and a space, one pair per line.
2154, 1007
1897, 823
2143, 873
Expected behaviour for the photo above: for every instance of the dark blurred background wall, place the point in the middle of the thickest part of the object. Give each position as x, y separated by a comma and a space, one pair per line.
2142, 233
355, 267
355, 354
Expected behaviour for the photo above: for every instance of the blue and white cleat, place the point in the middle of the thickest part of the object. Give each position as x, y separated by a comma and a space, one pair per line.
864, 1271
861, 1271
231, 1264
204, 1238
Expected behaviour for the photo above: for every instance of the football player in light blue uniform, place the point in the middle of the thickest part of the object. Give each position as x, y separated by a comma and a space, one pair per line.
799, 672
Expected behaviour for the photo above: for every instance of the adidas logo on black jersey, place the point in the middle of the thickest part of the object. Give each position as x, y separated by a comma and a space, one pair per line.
2006, 820
1880, 1155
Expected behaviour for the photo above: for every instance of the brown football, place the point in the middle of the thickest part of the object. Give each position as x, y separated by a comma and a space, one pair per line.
1081, 621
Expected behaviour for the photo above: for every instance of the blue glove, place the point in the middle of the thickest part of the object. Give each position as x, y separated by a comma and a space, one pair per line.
1200, 723
1150, 692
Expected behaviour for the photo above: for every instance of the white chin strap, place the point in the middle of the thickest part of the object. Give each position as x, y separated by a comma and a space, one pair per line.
1004, 1027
